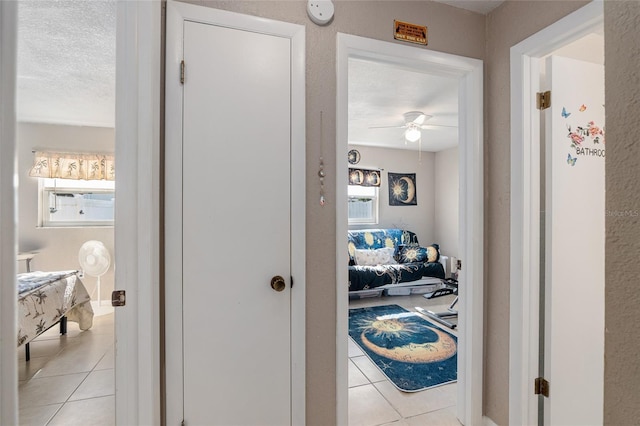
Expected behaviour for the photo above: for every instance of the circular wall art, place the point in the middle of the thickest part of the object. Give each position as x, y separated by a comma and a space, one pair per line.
354, 156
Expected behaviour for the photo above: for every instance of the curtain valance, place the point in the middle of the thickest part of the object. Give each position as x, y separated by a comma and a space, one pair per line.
364, 177
78, 166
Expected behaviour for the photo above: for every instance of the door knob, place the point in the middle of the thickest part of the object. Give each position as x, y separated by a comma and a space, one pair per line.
277, 283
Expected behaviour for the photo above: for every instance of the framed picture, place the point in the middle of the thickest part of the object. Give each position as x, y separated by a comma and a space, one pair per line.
402, 189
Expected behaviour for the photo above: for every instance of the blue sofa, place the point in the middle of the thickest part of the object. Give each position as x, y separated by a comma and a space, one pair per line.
410, 262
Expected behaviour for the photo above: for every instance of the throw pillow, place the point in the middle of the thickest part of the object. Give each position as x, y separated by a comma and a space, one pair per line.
410, 253
382, 256
433, 253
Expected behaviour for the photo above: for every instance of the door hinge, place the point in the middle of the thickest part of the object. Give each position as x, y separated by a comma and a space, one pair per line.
291, 281
541, 387
543, 100
118, 298
459, 265
182, 72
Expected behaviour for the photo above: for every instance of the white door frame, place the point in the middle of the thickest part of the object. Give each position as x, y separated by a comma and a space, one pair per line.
525, 205
470, 74
177, 13
8, 228
137, 232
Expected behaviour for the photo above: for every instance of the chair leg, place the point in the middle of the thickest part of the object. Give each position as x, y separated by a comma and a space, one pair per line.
63, 325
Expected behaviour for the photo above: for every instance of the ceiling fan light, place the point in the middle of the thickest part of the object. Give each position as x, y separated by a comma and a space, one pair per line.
413, 133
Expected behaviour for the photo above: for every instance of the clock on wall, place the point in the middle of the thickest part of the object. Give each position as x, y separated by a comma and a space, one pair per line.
354, 156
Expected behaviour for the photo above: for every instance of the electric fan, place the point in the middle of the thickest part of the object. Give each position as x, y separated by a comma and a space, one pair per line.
95, 260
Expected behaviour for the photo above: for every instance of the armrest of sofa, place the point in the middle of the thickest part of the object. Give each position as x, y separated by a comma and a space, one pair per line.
444, 260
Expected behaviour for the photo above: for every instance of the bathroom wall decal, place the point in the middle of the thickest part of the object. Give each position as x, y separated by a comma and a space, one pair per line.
586, 139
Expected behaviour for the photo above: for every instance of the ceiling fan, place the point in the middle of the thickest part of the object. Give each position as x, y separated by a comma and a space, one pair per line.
413, 125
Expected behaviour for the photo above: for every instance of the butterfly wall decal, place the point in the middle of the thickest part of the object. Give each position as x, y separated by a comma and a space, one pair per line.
583, 107
565, 114
571, 160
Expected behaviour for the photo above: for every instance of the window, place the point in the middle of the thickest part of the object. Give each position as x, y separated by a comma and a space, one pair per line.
65, 202
363, 205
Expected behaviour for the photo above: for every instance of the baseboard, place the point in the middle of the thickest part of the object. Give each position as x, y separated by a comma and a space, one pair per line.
486, 421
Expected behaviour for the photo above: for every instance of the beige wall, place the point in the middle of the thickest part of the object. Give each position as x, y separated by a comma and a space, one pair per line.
373, 19
419, 218
622, 246
447, 202
58, 247
463, 33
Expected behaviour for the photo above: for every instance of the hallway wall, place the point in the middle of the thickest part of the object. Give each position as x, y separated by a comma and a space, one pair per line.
488, 38
372, 19
507, 25
622, 221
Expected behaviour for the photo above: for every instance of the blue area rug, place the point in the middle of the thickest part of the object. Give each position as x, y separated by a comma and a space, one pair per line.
412, 352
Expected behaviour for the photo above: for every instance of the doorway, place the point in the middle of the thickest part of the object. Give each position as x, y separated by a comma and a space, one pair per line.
527, 59
469, 75
137, 117
66, 115
381, 98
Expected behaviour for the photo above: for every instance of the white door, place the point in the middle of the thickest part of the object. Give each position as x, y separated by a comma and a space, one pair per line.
230, 240
575, 212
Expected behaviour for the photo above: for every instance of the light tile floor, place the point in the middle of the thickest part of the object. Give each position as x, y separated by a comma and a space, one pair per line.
375, 401
69, 379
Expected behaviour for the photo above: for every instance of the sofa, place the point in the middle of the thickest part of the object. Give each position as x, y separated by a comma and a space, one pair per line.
384, 257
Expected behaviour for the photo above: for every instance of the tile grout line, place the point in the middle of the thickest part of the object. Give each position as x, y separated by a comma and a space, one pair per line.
77, 387
58, 353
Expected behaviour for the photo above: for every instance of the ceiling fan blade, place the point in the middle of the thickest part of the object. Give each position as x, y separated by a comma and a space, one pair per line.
417, 117
428, 126
387, 127
420, 119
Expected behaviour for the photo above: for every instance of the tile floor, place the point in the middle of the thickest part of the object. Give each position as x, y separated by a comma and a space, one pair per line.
374, 401
69, 379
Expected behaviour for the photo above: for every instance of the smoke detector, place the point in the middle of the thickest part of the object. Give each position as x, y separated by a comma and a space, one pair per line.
320, 11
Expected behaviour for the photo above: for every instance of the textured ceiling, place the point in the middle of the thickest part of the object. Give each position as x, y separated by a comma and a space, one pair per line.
66, 75
66, 62
379, 95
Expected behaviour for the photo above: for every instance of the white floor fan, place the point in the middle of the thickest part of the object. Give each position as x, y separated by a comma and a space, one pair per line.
95, 260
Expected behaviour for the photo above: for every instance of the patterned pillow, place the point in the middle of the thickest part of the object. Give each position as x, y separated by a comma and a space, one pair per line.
410, 253
382, 256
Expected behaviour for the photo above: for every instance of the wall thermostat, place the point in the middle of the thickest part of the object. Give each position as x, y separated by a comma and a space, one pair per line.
320, 11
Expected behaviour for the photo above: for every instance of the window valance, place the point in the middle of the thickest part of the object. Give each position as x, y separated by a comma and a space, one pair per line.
364, 177
78, 166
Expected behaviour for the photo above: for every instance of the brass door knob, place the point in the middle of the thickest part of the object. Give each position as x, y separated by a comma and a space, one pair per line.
277, 283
